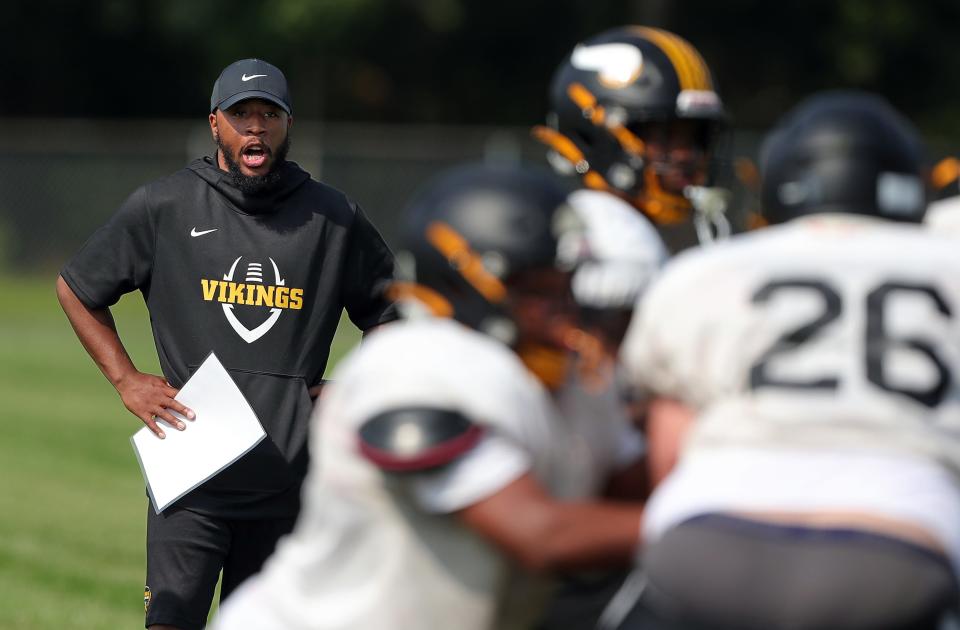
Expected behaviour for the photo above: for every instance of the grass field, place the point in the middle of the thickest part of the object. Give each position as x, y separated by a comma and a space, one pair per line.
72, 500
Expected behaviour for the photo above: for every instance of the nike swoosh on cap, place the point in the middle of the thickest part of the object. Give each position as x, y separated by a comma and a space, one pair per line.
194, 233
252, 76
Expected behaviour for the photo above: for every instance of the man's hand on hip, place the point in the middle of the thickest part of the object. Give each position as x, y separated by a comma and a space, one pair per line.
150, 398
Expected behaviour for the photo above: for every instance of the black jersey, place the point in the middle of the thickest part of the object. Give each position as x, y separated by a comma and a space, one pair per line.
259, 279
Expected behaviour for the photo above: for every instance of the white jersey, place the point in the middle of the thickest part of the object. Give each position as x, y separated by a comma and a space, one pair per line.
833, 337
626, 251
944, 216
381, 550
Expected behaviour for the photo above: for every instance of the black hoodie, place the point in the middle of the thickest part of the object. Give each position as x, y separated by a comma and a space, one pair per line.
261, 280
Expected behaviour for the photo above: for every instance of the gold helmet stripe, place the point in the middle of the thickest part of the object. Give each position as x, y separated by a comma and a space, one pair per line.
587, 102
595, 181
689, 65
438, 305
703, 79
946, 170
560, 143
467, 262
628, 140
569, 151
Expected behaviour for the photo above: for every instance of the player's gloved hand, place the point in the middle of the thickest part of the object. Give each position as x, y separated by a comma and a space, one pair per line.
149, 398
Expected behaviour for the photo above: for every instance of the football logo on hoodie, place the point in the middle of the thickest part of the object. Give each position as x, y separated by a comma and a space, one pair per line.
263, 302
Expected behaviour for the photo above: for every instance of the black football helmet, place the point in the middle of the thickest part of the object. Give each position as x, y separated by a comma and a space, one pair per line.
843, 151
607, 95
471, 232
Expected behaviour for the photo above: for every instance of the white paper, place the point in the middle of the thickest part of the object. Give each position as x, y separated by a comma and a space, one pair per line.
225, 429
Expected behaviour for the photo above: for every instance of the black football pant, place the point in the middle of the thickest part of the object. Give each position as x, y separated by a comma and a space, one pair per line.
185, 554
720, 572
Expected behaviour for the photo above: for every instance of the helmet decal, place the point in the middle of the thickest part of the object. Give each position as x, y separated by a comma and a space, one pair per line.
617, 65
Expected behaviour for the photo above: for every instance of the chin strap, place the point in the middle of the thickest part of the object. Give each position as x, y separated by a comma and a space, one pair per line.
709, 212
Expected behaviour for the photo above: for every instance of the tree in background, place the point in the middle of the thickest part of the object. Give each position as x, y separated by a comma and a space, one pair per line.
454, 61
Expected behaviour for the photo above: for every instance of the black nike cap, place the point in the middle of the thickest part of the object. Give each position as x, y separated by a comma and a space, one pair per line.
250, 78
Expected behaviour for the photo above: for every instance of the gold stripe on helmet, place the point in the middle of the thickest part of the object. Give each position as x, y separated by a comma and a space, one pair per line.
703, 78
436, 303
562, 145
699, 74
595, 181
946, 170
569, 151
691, 70
468, 263
628, 140
587, 102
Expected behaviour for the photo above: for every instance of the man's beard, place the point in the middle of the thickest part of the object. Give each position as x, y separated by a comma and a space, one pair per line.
255, 184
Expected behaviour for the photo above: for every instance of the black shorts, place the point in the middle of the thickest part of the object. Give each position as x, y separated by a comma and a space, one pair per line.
185, 554
723, 571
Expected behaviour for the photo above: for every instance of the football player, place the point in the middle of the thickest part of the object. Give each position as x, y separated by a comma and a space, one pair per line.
446, 477
634, 114
819, 484
623, 255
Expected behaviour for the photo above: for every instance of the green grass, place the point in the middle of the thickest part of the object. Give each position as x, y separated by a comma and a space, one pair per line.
72, 503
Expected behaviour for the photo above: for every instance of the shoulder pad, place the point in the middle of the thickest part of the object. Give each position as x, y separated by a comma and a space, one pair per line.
417, 438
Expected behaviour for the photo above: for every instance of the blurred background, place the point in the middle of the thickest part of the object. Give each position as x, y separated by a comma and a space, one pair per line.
101, 96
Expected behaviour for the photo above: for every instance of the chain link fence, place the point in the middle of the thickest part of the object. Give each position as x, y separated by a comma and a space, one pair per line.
61, 179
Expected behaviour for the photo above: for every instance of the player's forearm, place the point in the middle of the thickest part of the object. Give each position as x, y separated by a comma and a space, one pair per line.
585, 536
98, 333
544, 534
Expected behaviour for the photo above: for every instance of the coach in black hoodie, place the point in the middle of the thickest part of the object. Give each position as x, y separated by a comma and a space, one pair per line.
242, 255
